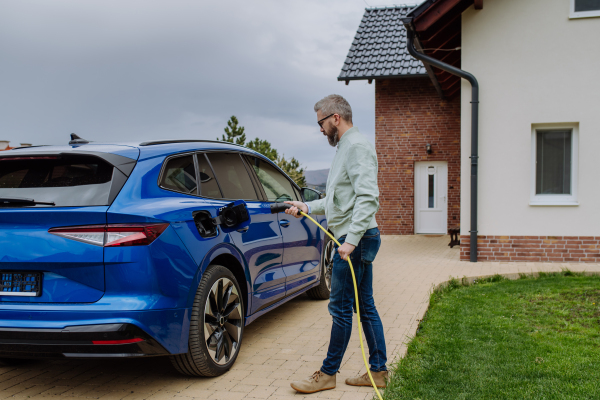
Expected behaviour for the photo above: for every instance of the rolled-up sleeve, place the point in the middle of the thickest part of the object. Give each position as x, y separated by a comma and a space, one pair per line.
361, 166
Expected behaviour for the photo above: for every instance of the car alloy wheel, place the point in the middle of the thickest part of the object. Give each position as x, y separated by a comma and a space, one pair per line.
222, 321
216, 325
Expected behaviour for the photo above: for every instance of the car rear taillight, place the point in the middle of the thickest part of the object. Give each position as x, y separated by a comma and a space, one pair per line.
112, 235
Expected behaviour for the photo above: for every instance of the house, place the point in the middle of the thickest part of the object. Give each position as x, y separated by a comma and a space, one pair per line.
4, 145
415, 128
538, 128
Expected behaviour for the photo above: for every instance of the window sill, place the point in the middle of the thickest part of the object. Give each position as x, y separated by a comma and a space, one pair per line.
586, 14
554, 203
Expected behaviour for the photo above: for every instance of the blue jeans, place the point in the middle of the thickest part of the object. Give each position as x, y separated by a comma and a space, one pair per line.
342, 303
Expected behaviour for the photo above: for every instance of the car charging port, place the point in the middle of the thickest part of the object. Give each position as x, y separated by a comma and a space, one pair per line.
205, 224
230, 217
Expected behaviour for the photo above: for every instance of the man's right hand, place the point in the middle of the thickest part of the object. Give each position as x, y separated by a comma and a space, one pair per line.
297, 205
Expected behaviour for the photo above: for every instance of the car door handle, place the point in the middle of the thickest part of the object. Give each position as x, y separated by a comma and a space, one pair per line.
243, 230
284, 223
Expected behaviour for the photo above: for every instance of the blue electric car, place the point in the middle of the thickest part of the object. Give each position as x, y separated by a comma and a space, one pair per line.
148, 249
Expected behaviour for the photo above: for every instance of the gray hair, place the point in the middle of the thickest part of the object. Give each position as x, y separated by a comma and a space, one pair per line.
335, 104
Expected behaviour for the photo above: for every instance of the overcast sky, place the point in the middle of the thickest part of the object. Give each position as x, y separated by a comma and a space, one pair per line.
130, 70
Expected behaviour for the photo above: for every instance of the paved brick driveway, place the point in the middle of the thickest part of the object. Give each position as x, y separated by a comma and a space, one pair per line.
287, 344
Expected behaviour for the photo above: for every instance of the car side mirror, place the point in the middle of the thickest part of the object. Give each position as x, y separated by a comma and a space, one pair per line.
309, 194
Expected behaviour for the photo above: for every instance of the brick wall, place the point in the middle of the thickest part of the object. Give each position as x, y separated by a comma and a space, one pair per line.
533, 248
409, 114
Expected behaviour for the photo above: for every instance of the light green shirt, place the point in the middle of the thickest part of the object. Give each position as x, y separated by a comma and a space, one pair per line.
352, 194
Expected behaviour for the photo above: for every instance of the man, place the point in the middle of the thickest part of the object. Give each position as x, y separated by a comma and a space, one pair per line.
352, 199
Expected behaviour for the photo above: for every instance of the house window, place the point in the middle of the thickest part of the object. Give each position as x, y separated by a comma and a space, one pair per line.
554, 171
553, 165
585, 8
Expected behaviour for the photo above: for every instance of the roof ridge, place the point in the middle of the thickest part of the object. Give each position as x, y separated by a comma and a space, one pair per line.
394, 7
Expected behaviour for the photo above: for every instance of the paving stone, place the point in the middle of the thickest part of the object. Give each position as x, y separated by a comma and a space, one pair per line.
243, 388
113, 395
262, 392
226, 395
280, 397
195, 393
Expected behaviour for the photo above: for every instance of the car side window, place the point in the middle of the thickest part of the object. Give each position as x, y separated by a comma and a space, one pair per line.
208, 184
180, 175
277, 187
232, 176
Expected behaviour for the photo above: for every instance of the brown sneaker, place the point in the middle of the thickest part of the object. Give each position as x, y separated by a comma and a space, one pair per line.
380, 379
317, 382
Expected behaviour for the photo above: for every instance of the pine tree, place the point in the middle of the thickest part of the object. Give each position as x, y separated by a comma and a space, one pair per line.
264, 148
235, 133
292, 168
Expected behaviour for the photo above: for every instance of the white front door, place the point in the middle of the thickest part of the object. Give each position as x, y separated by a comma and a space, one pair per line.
431, 197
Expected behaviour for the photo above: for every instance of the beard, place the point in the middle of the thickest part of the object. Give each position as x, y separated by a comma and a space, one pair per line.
332, 136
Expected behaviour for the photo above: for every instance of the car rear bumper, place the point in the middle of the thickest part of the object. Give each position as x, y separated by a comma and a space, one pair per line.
83, 341
37, 334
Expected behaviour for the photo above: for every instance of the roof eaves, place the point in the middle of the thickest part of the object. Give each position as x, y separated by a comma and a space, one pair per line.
418, 10
408, 24
371, 77
430, 72
432, 20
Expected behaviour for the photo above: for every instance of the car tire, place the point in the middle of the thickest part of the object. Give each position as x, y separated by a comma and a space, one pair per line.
323, 291
216, 326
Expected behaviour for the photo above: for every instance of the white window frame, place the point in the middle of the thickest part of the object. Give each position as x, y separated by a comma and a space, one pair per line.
582, 14
556, 199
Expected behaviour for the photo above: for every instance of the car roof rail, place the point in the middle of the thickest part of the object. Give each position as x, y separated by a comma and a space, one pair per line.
29, 147
157, 142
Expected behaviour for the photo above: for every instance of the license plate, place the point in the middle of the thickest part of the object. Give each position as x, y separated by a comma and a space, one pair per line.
21, 283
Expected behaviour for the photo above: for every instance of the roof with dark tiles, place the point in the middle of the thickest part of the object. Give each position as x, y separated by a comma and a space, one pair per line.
379, 47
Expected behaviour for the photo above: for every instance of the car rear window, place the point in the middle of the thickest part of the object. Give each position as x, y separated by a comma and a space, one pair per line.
180, 175
76, 180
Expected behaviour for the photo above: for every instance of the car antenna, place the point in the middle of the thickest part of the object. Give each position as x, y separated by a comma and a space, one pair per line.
77, 140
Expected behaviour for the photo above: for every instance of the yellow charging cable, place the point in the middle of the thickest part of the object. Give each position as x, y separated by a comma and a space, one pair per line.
362, 347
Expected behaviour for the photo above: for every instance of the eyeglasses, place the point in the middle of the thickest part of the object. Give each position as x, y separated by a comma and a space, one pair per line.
320, 122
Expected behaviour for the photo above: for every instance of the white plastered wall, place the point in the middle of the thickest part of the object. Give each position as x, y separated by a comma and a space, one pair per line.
534, 65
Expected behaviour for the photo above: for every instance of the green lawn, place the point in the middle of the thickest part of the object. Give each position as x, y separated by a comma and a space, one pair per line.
524, 339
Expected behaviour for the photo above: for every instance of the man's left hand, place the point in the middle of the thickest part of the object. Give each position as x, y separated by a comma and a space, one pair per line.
345, 250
